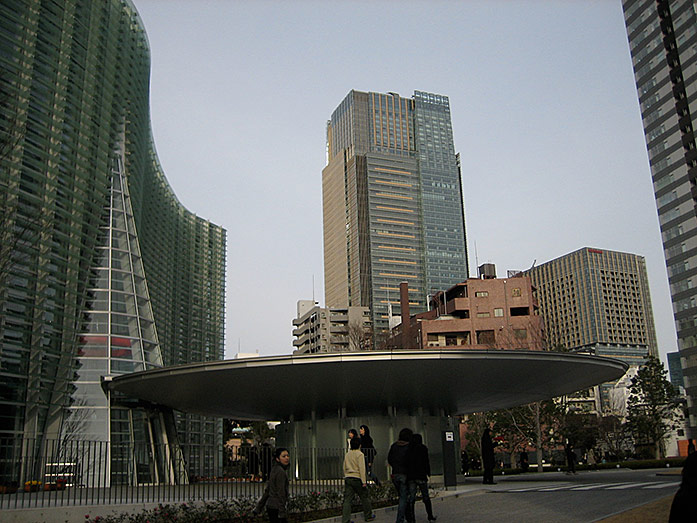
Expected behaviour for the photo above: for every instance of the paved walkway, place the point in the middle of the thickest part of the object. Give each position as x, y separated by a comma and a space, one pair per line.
458, 504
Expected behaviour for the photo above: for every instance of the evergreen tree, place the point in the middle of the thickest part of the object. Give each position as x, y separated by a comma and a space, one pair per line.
653, 407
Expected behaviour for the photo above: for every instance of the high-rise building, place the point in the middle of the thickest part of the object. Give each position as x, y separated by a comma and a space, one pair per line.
663, 44
102, 270
593, 297
392, 199
598, 302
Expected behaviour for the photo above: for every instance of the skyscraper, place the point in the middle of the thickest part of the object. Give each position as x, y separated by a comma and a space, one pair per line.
392, 201
102, 270
598, 302
663, 44
593, 297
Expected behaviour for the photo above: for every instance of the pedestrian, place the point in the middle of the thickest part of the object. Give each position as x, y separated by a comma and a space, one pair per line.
266, 461
690, 446
465, 463
570, 458
368, 449
397, 458
683, 509
355, 482
352, 433
418, 471
524, 462
253, 463
488, 457
275, 497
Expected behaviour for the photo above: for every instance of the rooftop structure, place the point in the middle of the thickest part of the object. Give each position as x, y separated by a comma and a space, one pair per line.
365, 383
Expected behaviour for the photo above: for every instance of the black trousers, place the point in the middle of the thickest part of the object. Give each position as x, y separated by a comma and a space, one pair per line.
273, 516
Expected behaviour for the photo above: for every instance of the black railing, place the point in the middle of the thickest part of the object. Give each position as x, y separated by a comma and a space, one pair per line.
36, 474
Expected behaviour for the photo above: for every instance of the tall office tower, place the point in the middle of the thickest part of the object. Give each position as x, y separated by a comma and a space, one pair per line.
598, 302
663, 45
392, 199
593, 298
102, 270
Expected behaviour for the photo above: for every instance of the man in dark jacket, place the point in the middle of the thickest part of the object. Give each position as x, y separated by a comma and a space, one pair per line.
418, 471
488, 457
397, 458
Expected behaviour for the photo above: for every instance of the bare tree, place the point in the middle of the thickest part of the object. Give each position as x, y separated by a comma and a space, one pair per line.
359, 337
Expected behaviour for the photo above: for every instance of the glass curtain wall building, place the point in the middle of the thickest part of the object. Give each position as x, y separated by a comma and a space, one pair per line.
102, 270
392, 203
663, 45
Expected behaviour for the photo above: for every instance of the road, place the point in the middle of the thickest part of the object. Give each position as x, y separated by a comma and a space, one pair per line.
552, 497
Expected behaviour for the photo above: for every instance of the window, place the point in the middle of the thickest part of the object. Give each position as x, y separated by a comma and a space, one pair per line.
515, 293
498, 312
485, 337
481, 294
520, 334
520, 311
483, 315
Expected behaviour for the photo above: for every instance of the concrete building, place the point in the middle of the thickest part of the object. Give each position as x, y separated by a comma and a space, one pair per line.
487, 313
392, 203
597, 302
102, 270
323, 329
593, 298
662, 39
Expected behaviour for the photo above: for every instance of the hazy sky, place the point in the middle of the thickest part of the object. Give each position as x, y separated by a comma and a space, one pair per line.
544, 109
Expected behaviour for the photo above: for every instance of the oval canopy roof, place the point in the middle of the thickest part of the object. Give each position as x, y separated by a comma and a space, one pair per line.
367, 383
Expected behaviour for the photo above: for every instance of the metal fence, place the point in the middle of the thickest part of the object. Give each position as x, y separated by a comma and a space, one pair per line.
37, 474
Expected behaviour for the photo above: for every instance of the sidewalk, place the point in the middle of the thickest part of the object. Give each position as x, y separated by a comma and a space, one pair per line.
652, 512
389, 513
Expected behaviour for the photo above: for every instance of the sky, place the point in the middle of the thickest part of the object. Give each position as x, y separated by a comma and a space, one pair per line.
544, 113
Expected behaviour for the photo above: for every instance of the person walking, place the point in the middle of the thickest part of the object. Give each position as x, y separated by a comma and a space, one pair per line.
368, 449
275, 497
524, 462
355, 482
488, 457
418, 471
683, 508
266, 461
352, 433
690, 446
465, 463
570, 458
397, 458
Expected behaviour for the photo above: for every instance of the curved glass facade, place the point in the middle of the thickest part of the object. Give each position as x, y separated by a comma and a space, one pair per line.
74, 88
